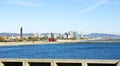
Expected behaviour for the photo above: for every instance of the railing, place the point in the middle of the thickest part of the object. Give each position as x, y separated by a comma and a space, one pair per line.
58, 62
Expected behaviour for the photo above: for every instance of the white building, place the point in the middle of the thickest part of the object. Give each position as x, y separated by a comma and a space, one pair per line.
36, 34
72, 34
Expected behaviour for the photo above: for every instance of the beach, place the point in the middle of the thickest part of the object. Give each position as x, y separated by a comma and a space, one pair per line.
37, 42
25, 43
56, 42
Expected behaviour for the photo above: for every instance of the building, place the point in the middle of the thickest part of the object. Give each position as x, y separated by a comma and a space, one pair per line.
21, 32
36, 34
65, 35
72, 34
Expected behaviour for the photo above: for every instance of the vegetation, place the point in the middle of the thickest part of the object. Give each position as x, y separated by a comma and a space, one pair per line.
67, 38
2, 39
33, 39
44, 39
17, 39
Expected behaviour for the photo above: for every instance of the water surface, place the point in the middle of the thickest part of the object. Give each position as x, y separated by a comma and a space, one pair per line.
63, 51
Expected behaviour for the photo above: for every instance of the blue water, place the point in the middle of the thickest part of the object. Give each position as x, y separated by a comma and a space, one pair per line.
63, 51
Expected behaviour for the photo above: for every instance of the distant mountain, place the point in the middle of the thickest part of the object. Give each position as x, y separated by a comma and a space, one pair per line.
16, 34
103, 35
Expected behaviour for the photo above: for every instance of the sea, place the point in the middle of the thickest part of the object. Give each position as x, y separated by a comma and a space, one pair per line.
63, 51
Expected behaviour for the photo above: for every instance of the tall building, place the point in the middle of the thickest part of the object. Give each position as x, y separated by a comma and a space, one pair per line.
52, 35
36, 34
72, 34
81, 35
21, 32
66, 35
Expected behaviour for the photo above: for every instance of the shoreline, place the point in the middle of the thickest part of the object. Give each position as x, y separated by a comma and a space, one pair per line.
25, 43
57, 42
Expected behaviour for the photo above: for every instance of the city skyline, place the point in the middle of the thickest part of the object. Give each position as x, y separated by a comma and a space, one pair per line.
44, 16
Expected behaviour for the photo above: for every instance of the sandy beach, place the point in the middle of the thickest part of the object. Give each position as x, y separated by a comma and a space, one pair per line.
31, 43
25, 43
37, 42
57, 42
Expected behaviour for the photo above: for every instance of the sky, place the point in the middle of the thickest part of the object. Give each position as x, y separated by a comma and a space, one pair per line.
59, 16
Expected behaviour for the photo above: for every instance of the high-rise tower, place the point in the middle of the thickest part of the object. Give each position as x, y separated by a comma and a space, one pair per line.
52, 35
21, 32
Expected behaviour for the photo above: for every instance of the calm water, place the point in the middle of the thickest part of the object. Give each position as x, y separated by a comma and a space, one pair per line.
63, 51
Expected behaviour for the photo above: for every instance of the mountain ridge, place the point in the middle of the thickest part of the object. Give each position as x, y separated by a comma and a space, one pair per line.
103, 35
15, 34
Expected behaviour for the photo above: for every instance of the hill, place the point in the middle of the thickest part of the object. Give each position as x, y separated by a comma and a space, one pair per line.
103, 35
16, 34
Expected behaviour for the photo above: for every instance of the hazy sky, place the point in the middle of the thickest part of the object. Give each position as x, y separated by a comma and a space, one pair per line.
87, 16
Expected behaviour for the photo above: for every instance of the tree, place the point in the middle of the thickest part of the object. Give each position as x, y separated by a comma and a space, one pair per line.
2, 39
44, 39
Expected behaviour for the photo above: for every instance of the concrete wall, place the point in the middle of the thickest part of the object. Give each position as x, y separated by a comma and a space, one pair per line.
58, 62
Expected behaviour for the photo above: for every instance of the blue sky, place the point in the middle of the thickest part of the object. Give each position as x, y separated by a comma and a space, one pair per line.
87, 16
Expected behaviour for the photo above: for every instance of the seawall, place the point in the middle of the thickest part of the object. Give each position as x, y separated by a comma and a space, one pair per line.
58, 62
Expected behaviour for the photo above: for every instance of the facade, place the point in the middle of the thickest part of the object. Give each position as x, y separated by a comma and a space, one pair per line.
65, 35
72, 34
36, 34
